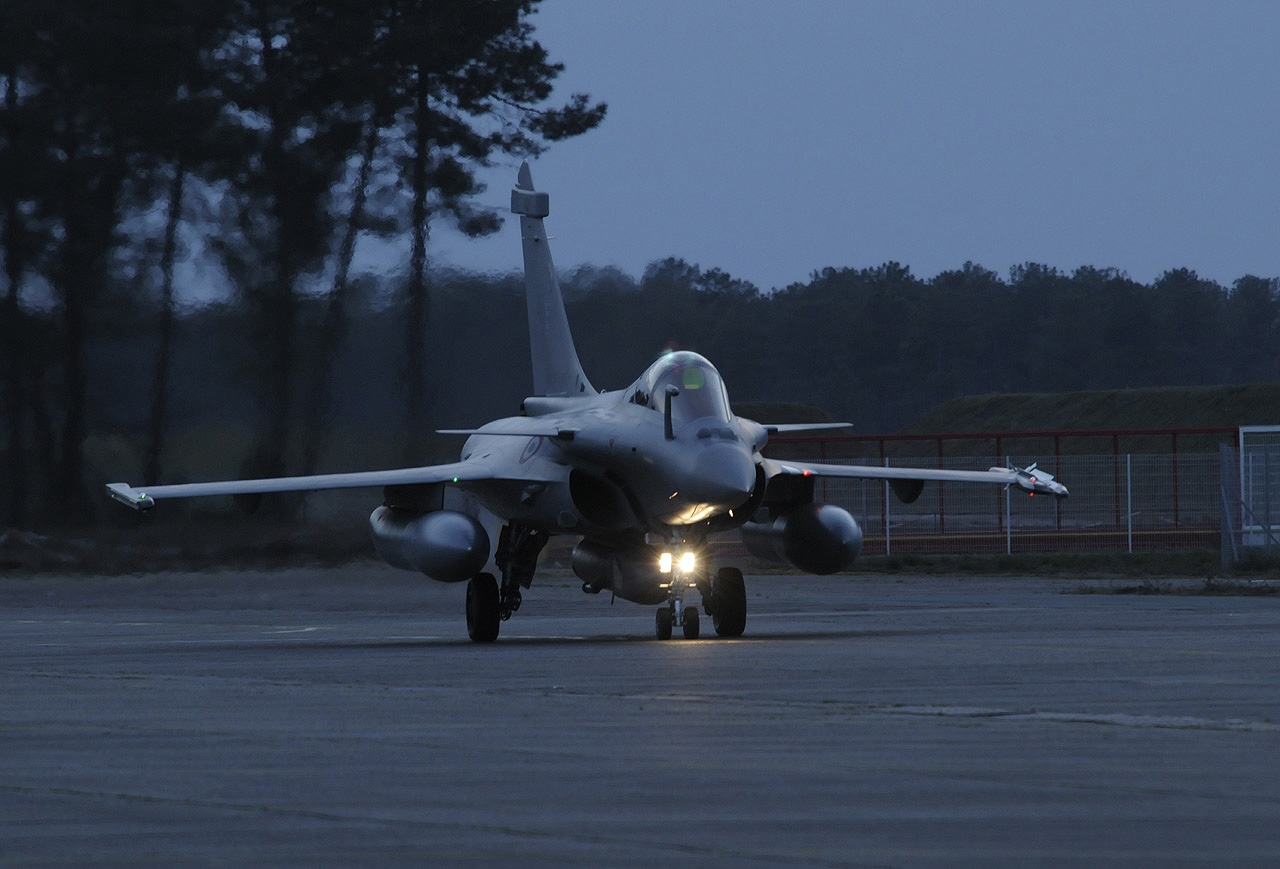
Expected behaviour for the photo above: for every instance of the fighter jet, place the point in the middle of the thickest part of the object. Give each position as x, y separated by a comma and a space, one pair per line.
641, 476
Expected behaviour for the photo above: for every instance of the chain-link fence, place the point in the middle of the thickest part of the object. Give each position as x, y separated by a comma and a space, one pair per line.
1126, 502
1250, 495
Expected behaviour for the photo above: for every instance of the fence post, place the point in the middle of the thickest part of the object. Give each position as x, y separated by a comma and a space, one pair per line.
942, 506
866, 516
1228, 476
1008, 524
888, 547
1057, 472
1115, 474
1266, 493
1177, 510
1128, 474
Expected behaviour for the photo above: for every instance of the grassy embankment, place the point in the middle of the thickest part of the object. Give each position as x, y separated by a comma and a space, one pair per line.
1108, 409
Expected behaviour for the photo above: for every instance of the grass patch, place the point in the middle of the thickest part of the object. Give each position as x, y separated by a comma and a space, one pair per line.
216, 543
1238, 588
1154, 565
1186, 588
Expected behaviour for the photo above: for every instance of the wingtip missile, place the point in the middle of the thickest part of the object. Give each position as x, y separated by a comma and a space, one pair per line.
1034, 481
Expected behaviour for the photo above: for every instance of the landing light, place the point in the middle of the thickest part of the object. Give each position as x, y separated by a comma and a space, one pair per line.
685, 564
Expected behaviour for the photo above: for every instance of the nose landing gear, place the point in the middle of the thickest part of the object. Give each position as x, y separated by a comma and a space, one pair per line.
681, 573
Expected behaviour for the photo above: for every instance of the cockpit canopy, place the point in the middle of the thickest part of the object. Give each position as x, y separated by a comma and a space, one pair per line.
701, 391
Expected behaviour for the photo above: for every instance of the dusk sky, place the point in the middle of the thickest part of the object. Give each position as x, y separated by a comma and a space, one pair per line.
774, 139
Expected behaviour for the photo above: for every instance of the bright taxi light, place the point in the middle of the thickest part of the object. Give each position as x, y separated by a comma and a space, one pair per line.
687, 562
664, 562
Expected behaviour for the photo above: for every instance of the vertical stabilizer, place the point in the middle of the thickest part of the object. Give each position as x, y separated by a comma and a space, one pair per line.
556, 369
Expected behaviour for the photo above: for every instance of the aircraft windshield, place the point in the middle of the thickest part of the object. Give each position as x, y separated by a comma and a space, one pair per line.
702, 392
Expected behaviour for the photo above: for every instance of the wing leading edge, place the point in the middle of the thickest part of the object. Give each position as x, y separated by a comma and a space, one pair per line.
455, 472
1029, 479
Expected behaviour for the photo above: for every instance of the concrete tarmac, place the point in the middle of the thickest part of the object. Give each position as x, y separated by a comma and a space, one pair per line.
340, 717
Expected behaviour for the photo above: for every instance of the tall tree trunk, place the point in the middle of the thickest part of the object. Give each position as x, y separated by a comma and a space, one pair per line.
160, 385
335, 320
69, 495
90, 224
43, 442
278, 313
15, 482
416, 319
281, 318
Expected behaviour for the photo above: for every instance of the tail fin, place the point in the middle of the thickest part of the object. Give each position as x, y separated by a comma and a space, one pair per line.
556, 369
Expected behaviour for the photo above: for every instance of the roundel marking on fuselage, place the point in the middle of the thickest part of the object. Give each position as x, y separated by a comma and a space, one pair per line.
531, 448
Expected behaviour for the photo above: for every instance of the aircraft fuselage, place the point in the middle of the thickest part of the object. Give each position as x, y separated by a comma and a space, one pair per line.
616, 473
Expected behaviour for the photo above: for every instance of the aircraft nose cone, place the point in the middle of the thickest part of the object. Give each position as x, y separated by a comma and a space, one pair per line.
722, 474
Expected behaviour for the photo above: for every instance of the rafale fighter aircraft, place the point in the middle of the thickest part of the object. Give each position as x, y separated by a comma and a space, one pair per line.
641, 475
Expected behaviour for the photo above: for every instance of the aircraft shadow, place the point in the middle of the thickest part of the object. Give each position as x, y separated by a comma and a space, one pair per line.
316, 644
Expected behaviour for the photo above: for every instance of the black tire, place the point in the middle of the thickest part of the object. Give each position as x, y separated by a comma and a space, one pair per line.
730, 594
483, 619
690, 623
662, 623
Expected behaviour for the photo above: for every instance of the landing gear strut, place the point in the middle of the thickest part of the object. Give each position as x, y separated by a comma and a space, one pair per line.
488, 603
517, 557
681, 574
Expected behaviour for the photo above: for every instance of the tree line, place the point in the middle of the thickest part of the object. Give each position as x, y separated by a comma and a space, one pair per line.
873, 346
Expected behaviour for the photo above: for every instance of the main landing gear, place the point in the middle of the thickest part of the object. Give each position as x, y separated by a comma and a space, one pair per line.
483, 611
488, 604
725, 600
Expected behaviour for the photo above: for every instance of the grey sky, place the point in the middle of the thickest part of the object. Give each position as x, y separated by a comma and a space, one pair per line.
771, 139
